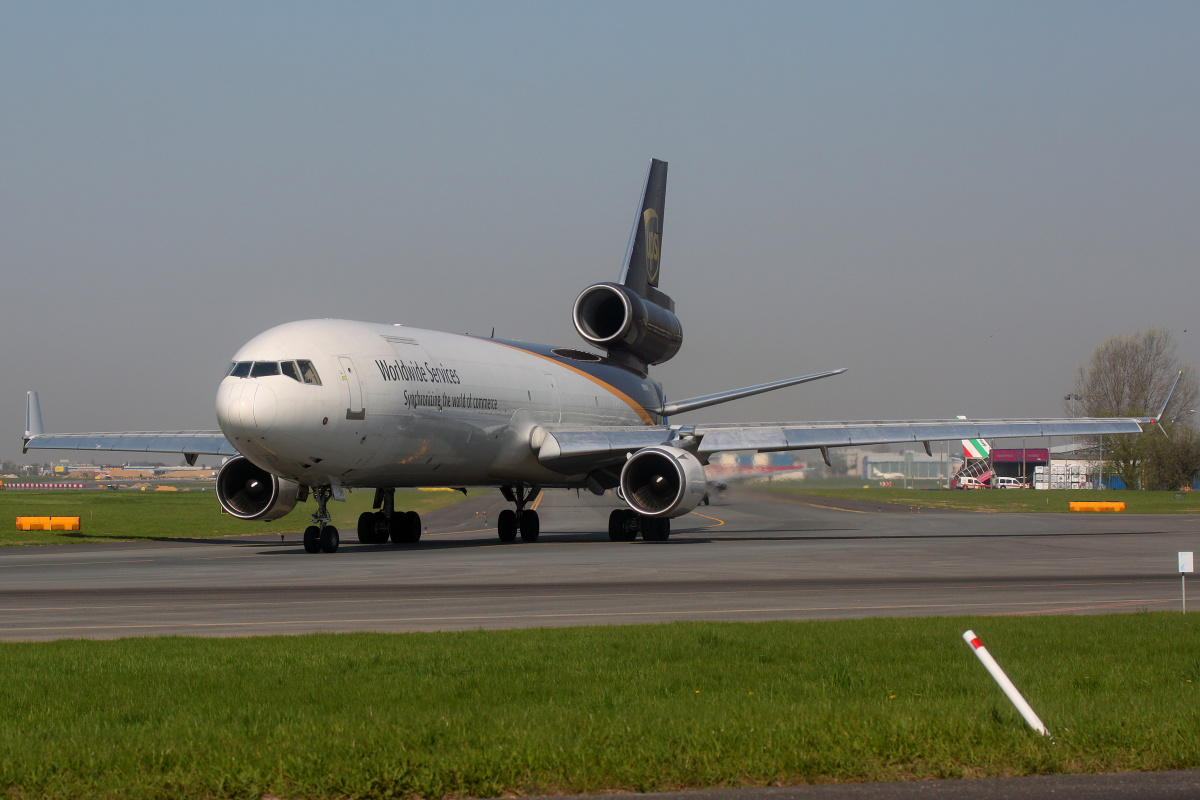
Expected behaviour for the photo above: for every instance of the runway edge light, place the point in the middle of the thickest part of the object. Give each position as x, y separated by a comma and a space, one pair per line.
1010, 691
1185, 566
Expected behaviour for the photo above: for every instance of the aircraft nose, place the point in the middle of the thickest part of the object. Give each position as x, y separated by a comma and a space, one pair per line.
249, 407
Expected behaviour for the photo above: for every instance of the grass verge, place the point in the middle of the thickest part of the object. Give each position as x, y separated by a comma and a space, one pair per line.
485, 713
1025, 501
132, 515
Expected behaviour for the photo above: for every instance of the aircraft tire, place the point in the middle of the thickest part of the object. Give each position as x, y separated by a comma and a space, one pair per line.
312, 539
621, 525
366, 528
330, 539
398, 528
506, 525
412, 527
655, 529
381, 530
616, 525
531, 526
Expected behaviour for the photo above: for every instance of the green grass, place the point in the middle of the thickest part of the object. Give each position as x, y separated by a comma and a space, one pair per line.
131, 515
1005, 500
485, 713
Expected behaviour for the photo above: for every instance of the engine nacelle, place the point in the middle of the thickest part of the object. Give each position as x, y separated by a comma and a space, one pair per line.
611, 316
663, 481
250, 492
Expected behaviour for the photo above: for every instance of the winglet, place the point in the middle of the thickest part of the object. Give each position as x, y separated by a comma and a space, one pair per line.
33, 417
1162, 411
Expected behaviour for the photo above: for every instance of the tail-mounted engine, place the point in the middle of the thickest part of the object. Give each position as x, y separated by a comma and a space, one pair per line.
613, 317
249, 492
663, 481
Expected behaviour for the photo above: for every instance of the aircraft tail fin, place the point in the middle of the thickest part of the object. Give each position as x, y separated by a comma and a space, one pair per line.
975, 448
641, 270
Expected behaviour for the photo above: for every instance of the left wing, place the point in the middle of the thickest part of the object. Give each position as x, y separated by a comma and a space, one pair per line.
571, 450
188, 443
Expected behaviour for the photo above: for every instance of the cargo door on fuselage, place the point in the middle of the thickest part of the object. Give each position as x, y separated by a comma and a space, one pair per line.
354, 392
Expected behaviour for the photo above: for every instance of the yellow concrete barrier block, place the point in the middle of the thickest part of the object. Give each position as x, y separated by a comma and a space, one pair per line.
47, 523
1080, 506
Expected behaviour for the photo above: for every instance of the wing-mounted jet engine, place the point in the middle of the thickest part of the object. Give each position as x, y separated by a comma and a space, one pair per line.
663, 481
632, 320
249, 492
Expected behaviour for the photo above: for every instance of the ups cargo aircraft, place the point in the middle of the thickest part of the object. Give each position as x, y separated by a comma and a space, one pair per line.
320, 406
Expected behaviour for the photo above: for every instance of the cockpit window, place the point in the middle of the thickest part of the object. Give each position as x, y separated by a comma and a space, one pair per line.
309, 372
289, 369
264, 368
240, 369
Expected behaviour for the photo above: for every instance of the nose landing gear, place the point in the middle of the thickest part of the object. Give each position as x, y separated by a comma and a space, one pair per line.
320, 536
522, 520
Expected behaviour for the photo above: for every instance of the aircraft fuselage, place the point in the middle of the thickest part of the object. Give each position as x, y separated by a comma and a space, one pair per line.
399, 406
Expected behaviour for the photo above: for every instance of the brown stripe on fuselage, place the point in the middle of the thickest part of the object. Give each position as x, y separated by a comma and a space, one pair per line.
638, 408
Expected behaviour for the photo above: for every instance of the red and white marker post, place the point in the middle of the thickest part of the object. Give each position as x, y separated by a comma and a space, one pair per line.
1006, 685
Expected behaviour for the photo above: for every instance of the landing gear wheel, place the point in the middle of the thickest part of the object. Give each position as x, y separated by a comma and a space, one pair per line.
655, 529
622, 525
381, 529
330, 539
506, 525
530, 526
366, 527
397, 528
312, 539
412, 525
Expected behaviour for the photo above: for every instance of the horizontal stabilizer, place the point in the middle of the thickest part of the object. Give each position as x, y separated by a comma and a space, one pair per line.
735, 394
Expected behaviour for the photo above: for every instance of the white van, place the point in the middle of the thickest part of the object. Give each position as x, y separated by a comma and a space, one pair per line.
1010, 483
969, 482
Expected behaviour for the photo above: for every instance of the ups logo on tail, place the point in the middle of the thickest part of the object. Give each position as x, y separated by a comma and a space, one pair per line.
653, 244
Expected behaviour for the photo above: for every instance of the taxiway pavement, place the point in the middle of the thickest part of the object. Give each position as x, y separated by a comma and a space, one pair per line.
749, 557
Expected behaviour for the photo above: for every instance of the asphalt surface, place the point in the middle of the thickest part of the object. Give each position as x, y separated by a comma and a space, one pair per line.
1177, 785
748, 557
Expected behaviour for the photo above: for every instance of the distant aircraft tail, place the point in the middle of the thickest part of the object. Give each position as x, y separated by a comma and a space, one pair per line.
975, 448
642, 257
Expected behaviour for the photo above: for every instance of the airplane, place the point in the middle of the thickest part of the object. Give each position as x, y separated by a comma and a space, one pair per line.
975, 448
316, 407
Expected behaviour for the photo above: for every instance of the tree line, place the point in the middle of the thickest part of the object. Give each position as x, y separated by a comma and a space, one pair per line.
1130, 376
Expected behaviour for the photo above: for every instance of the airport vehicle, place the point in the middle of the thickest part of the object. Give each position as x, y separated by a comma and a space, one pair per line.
970, 482
320, 406
1011, 483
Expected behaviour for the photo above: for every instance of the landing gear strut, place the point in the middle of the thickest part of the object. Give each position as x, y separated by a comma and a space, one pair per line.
524, 520
376, 527
320, 536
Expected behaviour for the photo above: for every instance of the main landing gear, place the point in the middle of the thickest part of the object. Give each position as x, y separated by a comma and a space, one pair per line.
624, 524
376, 527
524, 520
321, 537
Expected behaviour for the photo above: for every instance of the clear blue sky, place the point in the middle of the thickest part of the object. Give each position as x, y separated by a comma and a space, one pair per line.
957, 201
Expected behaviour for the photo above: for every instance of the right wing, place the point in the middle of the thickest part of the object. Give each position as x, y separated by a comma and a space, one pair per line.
189, 443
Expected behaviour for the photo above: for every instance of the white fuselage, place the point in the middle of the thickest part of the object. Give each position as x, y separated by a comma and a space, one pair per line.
400, 406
